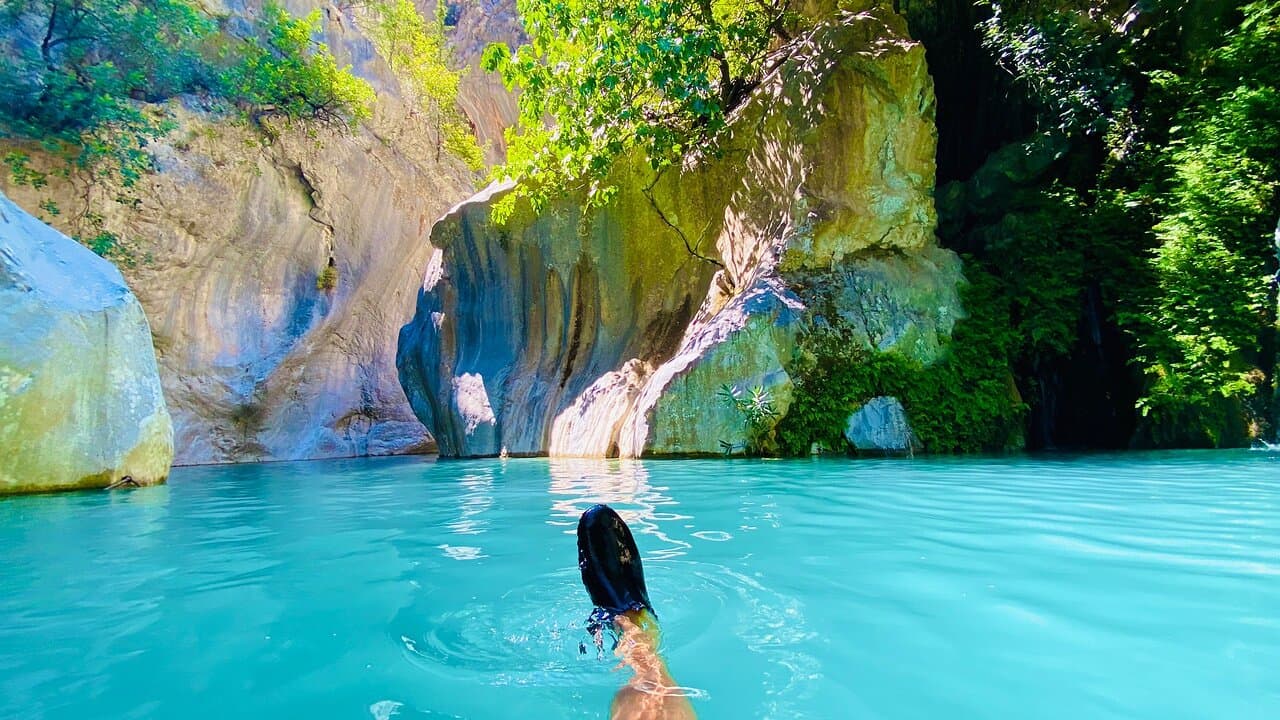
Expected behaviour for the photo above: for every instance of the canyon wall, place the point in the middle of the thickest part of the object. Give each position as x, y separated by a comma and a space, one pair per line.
234, 228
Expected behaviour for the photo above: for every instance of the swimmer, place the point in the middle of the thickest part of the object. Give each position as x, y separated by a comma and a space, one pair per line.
614, 577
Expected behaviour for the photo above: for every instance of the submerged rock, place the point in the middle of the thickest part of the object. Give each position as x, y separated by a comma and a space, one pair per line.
615, 331
80, 398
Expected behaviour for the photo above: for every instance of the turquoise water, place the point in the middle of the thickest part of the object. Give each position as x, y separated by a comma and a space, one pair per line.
1114, 586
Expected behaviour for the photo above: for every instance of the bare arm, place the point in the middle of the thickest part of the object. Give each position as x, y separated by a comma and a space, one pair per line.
652, 694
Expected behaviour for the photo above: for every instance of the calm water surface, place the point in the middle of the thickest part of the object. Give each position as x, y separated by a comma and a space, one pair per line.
1114, 586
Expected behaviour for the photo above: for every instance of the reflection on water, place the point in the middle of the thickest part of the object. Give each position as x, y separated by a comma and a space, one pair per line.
695, 593
623, 485
475, 498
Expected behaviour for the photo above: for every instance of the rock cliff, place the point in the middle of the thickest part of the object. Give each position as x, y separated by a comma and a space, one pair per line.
613, 331
482, 96
80, 398
231, 234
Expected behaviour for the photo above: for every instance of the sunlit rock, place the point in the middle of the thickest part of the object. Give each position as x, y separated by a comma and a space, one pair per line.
80, 398
616, 331
488, 104
542, 309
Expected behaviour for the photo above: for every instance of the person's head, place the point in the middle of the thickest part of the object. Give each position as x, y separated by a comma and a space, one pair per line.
610, 562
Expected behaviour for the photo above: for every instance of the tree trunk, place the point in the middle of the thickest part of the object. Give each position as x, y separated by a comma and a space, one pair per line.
46, 44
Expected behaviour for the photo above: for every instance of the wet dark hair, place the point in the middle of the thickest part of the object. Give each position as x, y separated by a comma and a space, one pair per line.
610, 565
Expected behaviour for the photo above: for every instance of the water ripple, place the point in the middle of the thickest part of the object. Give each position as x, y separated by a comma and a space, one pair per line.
1110, 586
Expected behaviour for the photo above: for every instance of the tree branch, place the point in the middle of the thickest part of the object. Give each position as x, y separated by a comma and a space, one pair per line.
726, 77
48, 37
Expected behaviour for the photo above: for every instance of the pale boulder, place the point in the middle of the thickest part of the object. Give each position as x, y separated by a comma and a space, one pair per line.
880, 424
80, 398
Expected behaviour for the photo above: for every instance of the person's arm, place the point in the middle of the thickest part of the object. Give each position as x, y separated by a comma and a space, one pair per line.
652, 694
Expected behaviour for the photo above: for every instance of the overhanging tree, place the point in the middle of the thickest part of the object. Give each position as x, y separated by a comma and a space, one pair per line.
604, 79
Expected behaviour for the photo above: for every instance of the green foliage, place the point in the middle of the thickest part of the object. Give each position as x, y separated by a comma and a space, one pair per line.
94, 58
88, 91
76, 91
1038, 252
613, 78
20, 170
1068, 55
758, 414
282, 71
458, 141
417, 53
415, 49
1048, 250
966, 402
1173, 111
1209, 334
108, 245
327, 279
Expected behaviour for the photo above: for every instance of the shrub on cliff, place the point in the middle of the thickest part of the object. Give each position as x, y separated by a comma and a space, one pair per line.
417, 53
83, 79
281, 70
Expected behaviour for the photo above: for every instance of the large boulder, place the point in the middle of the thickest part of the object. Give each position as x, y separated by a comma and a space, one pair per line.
616, 331
515, 323
80, 398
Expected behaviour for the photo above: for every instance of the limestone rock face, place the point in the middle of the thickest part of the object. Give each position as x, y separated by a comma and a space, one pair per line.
516, 323
605, 334
481, 95
80, 398
230, 237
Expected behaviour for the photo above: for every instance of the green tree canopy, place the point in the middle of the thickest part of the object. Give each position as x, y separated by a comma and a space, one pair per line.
90, 58
603, 78
1173, 113
1213, 317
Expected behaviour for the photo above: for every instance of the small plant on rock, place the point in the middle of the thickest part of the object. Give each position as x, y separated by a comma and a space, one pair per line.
757, 410
327, 279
